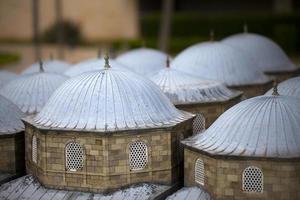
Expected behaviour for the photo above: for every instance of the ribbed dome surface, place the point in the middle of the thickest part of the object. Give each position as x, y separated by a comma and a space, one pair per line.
268, 55
91, 65
109, 100
220, 62
290, 87
6, 77
55, 66
30, 92
10, 117
143, 61
264, 126
182, 88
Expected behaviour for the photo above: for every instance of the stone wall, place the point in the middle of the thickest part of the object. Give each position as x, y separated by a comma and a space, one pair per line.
106, 163
282, 76
254, 90
223, 177
12, 153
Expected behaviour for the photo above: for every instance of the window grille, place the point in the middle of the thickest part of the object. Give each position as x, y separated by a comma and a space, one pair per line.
138, 155
198, 124
199, 171
252, 180
74, 156
34, 149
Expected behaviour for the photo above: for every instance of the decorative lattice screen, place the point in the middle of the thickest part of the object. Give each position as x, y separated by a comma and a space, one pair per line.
198, 124
34, 149
138, 155
252, 179
199, 171
74, 156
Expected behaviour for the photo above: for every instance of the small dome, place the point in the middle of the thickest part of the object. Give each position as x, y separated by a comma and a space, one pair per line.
6, 77
263, 126
91, 65
220, 62
55, 66
143, 61
268, 55
194, 193
109, 100
30, 92
182, 88
290, 87
10, 117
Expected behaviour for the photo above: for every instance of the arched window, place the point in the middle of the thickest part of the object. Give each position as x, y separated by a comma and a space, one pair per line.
138, 155
198, 124
252, 179
199, 171
74, 156
34, 149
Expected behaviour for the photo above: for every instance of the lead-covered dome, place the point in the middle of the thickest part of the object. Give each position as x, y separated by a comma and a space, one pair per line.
221, 62
290, 87
144, 61
30, 92
182, 88
267, 54
6, 77
10, 117
55, 66
263, 126
110, 99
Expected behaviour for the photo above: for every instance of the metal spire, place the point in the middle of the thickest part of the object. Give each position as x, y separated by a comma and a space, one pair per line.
245, 28
275, 88
106, 58
168, 61
212, 35
41, 66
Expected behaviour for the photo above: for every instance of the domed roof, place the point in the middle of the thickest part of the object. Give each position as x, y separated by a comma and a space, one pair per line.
55, 66
290, 87
263, 126
221, 62
268, 55
91, 65
10, 117
30, 92
109, 100
182, 88
143, 61
6, 77
190, 193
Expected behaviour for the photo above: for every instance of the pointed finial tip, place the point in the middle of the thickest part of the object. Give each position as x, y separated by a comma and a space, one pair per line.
168, 61
41, 66
245, 28
212, 35
106, 58
275, 88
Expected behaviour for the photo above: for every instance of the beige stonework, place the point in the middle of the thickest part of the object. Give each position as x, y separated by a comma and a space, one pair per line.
106, 157
223, 176
254, 90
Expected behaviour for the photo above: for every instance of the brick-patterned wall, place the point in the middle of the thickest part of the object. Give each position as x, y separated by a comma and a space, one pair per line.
12, 153
254, 90
223, 177
283, 75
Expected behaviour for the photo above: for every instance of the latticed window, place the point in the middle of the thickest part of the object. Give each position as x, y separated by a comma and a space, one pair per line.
34, 149
198, 124
199, 171
252, 180
138, 155
74, 156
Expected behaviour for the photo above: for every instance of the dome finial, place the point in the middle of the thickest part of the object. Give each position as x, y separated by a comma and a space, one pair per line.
106, 58
41, 66
245, 28
212, 35
275, 88
168, 61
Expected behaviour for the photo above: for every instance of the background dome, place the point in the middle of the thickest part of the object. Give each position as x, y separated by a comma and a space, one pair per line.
30, 92
10, 117
182, 88
220, 62
290, 87
143, 61
109, 100
6, 77
91, 65
264, 126
55, 66
268, 55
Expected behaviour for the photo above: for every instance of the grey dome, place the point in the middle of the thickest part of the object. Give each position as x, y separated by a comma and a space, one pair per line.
109, 100
10, 117
6, 77
91, 65
190, 193
55, 66
268, 55
182, 88
143, 61
263, 126
290, 87
30, 92
221, 62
